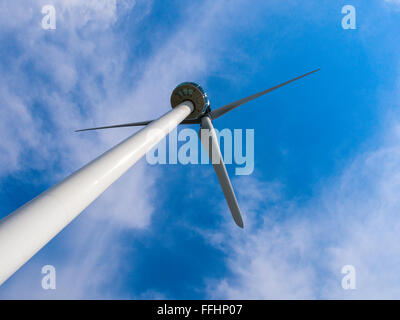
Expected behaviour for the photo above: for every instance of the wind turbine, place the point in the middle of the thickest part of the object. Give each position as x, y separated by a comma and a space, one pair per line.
203, 115
29, 228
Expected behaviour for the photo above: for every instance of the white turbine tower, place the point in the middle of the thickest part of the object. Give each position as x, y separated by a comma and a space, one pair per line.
26, 230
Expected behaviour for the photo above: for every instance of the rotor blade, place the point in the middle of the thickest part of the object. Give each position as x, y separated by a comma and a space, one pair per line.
209, 139
133, 124
226, 108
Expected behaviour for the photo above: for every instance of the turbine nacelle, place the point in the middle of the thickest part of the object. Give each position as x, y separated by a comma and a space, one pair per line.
193, 92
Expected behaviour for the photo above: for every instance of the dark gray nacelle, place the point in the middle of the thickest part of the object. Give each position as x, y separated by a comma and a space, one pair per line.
193, 92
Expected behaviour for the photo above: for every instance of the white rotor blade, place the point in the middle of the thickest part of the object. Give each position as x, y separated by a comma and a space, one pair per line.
134, 124
226, 108
209, 139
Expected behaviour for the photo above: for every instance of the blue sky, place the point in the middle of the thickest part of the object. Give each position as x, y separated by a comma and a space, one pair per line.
324, 191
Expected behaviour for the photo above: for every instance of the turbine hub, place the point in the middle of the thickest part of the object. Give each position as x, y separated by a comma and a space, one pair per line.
193, 92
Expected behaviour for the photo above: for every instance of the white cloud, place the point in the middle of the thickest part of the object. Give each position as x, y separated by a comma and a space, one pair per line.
292, 251
74, 77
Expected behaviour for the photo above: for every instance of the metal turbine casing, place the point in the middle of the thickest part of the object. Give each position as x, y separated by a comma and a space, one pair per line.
190, 91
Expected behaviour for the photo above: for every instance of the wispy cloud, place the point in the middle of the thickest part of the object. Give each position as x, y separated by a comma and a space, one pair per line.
73, 77
292, 250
